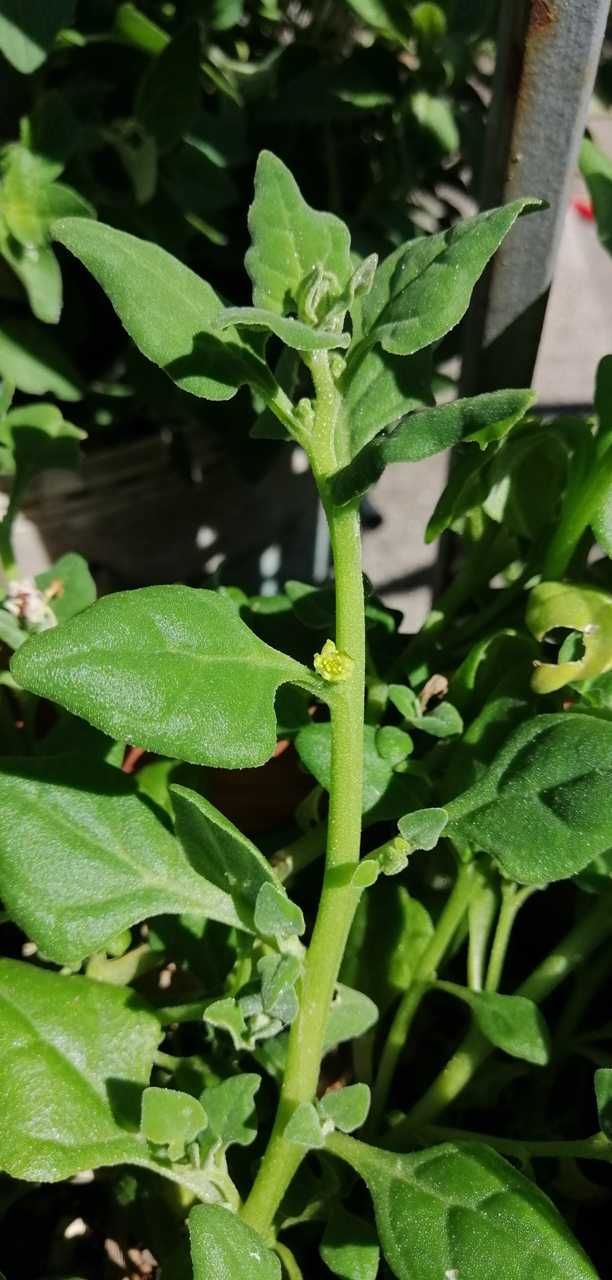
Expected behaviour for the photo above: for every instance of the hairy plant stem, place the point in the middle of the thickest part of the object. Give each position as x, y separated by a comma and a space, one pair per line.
468, 882
339, 898
563, 960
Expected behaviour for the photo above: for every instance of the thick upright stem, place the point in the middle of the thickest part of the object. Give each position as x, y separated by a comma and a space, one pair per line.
339, 898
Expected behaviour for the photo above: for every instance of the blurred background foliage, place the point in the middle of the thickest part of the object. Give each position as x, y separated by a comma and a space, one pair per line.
151, 115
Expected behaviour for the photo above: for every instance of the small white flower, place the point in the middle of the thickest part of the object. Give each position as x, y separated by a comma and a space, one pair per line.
27, 602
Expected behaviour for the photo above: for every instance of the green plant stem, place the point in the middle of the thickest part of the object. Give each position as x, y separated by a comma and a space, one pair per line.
7, 555
339, 899
597, 1147
512, 901
290, 1266
482, 912
564, 959
467, 883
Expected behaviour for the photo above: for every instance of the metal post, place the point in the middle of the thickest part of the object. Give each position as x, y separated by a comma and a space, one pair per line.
548, 53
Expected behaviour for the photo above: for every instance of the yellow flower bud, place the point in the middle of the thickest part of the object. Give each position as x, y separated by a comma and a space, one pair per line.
333, 665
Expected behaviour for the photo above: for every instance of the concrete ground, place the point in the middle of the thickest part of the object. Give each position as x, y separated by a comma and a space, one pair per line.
577, 333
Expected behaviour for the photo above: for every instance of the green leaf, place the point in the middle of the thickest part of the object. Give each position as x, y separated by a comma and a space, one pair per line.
279, 975
390, 17
33, 438
349, 1246
603, 1096
38, 270
227, 1015
450, 1210
584, 610
377, 389
429, 22
33, 360
602, 523
229, 1107
290, 240
168, 311
98, 859
31, 200
313, 744
27, 31
352, 1014
169, 94
172, 669
294, 333
220, 852
69, 584
424, 827
304, 1127
388, 937
512, 1023
441, 721
223, 1247
347, 1108
423, 289
171, 1119
138, 29
74, 1057
436, 115
275, 914
406, 701
596, 169
393, 744
543, 807
420, 435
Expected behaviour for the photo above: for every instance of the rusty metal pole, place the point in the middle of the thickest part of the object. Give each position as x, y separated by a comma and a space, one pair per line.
548, 52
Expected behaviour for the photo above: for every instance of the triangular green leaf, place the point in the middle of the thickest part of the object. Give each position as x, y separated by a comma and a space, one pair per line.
168, 311
513, 1024
171, 669
423, 289
229, 1107
423, 828
99, 860
275, 914
543, 807
450, 1210
304, 1127
420, 435
290, 240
